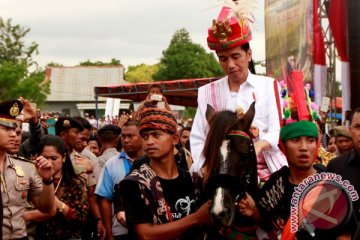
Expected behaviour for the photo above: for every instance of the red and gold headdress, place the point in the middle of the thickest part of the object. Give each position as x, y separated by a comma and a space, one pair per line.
231, 28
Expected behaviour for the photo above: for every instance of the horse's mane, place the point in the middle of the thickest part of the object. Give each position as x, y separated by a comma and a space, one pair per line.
220, 124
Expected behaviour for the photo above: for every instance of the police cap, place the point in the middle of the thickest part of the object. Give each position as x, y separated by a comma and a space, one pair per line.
65, 123
9, 110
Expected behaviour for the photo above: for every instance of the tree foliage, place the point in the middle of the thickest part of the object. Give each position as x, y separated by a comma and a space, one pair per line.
141, 73
184, 59
16, 58
54, 64
113, 62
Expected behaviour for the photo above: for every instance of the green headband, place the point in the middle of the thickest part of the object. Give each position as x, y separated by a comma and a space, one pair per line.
298, 129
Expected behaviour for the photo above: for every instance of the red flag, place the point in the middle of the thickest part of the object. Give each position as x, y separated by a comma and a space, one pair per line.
338, 17
338, 24
319, 44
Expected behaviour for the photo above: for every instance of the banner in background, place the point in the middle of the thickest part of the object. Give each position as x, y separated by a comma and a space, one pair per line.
289, 39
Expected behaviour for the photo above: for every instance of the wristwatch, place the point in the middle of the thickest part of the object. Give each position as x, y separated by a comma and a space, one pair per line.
49, 181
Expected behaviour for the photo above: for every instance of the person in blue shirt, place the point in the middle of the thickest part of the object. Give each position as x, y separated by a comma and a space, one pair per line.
114, 170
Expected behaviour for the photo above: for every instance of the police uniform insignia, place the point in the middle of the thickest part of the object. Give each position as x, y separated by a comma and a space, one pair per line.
14, 110
66, 123
19, 171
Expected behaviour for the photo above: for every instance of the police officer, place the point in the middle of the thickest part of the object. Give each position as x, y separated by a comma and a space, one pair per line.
20, 177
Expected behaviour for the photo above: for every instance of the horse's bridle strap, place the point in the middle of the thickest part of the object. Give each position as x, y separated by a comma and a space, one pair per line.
239, 134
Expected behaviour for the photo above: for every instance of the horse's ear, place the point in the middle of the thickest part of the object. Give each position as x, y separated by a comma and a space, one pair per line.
249, 116
210, 112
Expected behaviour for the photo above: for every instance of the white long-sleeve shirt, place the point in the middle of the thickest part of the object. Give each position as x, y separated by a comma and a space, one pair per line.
218, 95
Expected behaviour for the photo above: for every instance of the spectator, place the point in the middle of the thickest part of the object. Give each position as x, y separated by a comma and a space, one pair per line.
348, 164
71, 200
70, 130
16, 170
94, 145
300, 144
152, 191
331, 146
29, 147
155, 98
185, 136
109, 138
114, 170
344, 142
94, 224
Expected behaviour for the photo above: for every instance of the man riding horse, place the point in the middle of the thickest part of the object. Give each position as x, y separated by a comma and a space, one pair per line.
229, 37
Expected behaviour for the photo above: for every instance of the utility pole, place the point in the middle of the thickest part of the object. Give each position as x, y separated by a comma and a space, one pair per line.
330, 55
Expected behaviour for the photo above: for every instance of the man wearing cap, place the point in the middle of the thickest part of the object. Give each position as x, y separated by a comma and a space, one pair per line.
229, 37
20, 178
158, 197
69, 129
272, 207
109, 138
114, 171
347, 165
343, 140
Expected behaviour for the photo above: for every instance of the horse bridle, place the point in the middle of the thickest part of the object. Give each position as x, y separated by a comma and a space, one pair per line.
247, 175
239, 133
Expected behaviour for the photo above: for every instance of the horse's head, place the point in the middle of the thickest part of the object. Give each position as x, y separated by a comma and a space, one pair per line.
230, 162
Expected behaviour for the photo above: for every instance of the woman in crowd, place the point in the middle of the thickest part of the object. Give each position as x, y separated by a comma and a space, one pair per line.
71, 200
331, 146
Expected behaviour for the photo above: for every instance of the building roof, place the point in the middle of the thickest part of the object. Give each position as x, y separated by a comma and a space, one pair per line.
77, 83
181, 92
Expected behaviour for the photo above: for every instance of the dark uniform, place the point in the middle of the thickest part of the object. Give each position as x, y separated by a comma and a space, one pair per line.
347, 165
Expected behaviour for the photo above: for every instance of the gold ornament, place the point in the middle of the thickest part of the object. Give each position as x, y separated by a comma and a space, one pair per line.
240, 112
19, 171
14, 110
221, 30
66, 123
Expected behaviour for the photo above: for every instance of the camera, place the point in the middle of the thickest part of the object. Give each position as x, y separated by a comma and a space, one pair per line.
156, 97
160, 104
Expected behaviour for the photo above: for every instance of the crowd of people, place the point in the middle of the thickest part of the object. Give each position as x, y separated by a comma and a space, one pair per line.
141, 176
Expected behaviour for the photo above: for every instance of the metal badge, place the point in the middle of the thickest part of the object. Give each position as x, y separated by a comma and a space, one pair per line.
19, 171
14, 110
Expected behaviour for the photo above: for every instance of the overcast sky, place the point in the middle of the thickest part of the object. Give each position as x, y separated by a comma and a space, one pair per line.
133, 31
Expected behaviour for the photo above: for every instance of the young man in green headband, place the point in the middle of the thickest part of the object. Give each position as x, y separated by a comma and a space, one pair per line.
299, 142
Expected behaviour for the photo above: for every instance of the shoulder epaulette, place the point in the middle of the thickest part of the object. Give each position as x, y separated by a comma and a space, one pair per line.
22, 159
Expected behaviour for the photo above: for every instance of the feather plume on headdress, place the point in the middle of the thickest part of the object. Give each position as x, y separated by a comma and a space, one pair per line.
241, 9
232, 26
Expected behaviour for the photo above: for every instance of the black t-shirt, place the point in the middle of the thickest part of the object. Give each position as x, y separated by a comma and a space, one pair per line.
274, 201
179, 194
